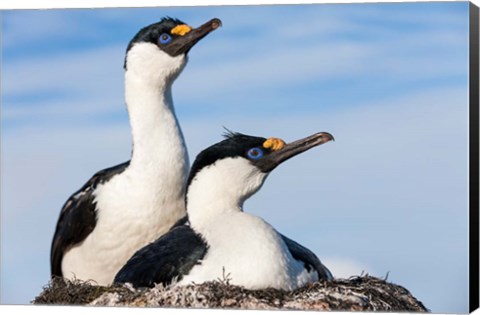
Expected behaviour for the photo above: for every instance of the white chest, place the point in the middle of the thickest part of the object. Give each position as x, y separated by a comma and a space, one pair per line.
250, 253
133, 211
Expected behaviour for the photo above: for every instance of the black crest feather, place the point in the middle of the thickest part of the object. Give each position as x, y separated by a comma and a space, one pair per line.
168, 19
229, 134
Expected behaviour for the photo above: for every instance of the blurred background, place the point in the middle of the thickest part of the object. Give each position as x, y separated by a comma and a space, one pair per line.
389, 81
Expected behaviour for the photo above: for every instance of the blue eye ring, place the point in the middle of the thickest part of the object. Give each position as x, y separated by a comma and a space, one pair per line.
164, 39
255, 153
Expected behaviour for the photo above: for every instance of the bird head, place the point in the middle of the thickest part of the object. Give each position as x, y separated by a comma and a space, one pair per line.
235, 168
159, 51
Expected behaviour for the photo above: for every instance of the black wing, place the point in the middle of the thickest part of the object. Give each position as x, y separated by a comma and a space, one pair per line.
171, 256
309, 259
78, 217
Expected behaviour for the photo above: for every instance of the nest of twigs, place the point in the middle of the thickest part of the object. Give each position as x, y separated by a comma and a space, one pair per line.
360, 293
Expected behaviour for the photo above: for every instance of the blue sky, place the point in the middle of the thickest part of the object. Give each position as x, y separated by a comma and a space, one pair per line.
389, 81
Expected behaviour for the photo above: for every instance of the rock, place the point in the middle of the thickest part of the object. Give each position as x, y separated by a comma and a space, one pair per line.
359, 293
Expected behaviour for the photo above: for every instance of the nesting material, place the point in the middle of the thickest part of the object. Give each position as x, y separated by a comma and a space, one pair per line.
359, 293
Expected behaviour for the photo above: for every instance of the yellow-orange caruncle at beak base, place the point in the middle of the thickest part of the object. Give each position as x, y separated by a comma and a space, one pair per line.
181, 30
274, 144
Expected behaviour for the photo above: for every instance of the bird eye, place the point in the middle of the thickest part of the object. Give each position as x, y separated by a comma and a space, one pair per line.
165, 38
255, 153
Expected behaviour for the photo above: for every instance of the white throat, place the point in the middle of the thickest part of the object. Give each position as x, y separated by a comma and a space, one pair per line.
157, 137
221, 188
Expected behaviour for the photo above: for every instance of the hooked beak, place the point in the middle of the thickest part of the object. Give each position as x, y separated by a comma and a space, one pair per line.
185, 43
275, 158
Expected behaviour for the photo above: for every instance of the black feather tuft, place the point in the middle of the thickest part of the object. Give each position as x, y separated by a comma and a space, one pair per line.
168, 19
229, 134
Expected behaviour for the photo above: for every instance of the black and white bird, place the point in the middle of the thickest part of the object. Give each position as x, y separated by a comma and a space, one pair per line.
123, 208
220, 238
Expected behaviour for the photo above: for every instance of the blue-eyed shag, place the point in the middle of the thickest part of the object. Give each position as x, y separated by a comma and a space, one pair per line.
220, 238
123, 208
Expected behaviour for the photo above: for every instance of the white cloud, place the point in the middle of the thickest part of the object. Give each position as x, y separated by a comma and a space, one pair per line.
18, 30
268, 69
243, 62
76, 72
91, 81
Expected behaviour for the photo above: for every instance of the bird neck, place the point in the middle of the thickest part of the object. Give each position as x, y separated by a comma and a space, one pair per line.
158, 142
221, 188
204, 208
